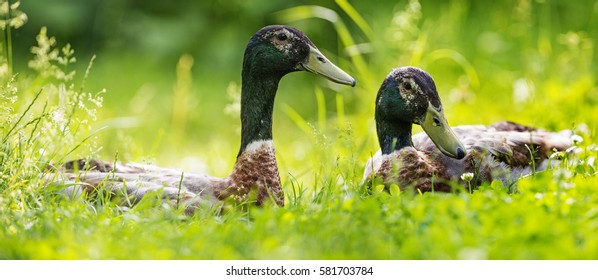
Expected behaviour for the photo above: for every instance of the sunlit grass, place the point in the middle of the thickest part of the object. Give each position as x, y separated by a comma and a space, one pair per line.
174, 115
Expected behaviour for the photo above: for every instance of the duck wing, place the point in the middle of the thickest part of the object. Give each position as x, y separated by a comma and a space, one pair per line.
500, 150
135, 180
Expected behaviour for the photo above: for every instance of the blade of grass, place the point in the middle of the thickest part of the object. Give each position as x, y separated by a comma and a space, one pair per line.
83, 141
297, 119
321, 102
357, 18
455, 56
340, 111
9, 133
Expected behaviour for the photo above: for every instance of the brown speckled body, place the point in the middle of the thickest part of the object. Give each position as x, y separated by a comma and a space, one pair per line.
255, 168
410, 169
496, 152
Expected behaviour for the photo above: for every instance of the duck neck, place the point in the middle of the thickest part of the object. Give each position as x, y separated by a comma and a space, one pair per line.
395, 136
257, 103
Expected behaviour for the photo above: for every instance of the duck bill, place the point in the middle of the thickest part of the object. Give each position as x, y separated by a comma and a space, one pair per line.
317, 63
441, 134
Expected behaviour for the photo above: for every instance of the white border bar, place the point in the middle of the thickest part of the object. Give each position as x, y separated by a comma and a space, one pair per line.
166, 270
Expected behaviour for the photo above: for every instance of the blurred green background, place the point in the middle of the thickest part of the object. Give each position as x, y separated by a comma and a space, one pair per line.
171, 70
526, 61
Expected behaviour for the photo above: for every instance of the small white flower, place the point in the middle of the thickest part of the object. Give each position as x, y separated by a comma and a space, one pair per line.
467, 176
574, 150
590, 161
576, 139
58, 116
557, 155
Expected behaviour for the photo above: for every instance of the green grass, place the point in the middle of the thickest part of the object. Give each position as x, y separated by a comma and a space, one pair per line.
323, 135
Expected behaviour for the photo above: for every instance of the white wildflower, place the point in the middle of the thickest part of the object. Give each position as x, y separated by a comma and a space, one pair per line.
576, 139
590, 161
557, 155
468, 176
574, 150
58, 116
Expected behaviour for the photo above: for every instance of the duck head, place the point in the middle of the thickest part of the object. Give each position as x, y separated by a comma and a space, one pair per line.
408, 96
278, 50
273, 52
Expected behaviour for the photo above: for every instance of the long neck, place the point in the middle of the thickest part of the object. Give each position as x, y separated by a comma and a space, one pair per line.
257, 102
394, 136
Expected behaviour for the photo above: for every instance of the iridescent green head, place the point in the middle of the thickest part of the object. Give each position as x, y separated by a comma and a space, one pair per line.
408, 96
278, 50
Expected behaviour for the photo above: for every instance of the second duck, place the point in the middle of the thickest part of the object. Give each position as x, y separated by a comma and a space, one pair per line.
430, 161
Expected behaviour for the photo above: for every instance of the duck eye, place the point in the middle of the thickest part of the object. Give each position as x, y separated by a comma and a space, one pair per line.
436, 121
407, 86
281, 36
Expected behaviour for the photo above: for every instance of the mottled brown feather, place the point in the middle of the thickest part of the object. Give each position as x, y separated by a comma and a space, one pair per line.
496, 152
254, 169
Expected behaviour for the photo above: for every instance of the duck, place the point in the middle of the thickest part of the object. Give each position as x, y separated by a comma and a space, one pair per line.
440, 156
272, 52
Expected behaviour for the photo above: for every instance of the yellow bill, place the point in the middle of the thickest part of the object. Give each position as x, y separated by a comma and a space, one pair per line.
317, 63
437, 128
